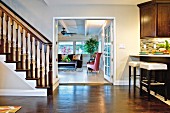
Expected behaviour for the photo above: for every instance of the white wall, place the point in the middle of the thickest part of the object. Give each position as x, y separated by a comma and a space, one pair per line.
11, 81
127, 23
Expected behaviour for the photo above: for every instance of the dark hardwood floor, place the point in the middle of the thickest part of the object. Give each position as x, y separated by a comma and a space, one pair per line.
88, 99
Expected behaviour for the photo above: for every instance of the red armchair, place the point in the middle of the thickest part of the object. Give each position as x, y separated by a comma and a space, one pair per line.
94, 66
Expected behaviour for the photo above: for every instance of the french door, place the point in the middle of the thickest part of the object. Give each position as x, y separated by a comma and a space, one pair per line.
108, 52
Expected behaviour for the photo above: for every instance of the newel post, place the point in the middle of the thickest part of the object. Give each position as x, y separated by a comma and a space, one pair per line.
50, 75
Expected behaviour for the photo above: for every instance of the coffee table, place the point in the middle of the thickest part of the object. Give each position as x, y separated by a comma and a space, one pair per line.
67, 65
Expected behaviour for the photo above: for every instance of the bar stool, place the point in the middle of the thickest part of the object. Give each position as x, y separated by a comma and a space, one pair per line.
135, 65
147, 82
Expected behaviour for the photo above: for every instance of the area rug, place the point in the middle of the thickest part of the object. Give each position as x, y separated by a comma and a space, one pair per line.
9, 109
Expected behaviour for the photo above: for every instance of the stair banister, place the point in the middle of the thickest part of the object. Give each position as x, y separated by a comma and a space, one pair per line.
36, 45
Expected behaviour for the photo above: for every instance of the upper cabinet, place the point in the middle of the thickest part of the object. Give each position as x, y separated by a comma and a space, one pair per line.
155, 19
163, 20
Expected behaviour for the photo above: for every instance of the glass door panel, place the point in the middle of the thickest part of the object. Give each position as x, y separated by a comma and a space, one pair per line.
107, 53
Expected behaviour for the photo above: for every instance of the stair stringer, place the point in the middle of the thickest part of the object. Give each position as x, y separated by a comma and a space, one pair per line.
22, 75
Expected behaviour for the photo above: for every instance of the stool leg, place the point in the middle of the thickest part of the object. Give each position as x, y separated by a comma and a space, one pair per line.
166, 92
149, 81
155, 82
141, 82
129, 78
134, 86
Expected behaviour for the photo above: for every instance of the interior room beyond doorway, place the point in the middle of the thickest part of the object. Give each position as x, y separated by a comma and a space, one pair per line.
72, 36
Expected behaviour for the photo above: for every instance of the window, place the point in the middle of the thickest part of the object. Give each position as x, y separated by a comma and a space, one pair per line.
65, 48
74, 47
80, 48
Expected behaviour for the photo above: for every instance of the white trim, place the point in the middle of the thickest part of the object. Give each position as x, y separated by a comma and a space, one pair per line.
114, 50
56, 83
84, 18
100, 18
125, 82
17, 92
121, 82
54, 49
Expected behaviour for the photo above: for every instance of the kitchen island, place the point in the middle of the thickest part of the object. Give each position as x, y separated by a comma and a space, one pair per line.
159, 59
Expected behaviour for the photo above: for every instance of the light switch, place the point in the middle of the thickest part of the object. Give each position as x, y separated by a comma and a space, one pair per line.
121, 46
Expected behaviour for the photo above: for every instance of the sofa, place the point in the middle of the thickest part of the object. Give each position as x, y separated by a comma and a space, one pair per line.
79, 62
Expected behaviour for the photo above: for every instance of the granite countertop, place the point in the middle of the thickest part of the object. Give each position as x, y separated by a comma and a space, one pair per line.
149, 55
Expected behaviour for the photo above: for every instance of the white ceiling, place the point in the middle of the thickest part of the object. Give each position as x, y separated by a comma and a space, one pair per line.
110, 2
73, 26
82, 27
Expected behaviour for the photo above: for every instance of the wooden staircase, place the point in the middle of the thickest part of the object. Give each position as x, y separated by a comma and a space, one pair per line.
26, 47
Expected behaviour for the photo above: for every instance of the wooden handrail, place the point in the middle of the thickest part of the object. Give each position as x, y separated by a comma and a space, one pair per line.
20, 24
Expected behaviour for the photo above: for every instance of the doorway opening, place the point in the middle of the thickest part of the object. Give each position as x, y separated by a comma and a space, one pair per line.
71, 35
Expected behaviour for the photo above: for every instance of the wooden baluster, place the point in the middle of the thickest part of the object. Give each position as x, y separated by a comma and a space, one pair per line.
36, 59
50, 76
26, 39
31, 53
12, 42
45, 76
22, 56
26, 60
6, 48
10, 57
40, 47
2, 27
16, 50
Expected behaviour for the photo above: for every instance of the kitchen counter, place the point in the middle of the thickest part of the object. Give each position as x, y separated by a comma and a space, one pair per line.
159, 59
149, 55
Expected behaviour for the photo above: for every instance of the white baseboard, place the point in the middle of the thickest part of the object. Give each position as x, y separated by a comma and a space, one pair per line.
34, 92
16, 92
121, 82
56, 83
125, 82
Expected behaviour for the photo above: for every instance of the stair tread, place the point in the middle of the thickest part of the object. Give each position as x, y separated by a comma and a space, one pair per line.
43, 87
4, 53
22, 69
31, 78
12, 61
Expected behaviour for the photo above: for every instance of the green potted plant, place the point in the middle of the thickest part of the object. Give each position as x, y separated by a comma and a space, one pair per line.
165, 48
91, 46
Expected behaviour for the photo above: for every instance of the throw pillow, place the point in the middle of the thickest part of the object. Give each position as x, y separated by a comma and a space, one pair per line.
68, 59
65, 58
76, 57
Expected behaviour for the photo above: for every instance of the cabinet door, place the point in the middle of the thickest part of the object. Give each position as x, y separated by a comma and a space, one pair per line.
148, 21
164, 20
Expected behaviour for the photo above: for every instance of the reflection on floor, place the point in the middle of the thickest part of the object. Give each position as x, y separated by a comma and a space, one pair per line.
88, 99
81, 77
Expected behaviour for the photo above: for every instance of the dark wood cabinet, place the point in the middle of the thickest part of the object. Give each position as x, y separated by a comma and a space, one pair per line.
154, 19
147, 21
164, 20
